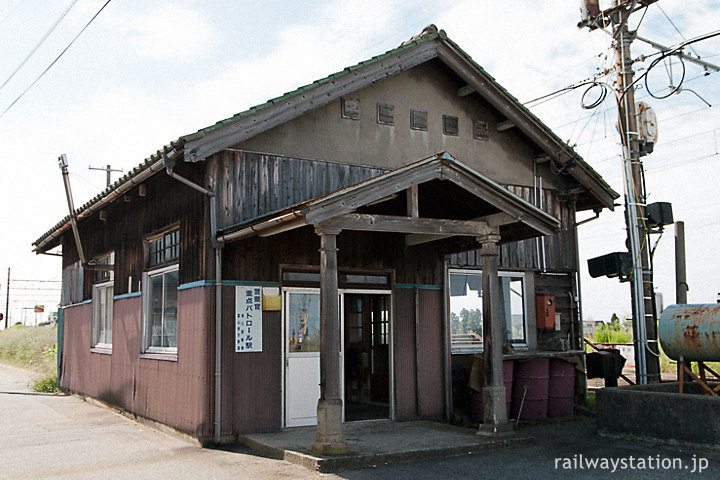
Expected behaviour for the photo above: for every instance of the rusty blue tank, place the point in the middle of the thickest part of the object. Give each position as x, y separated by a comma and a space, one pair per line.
691, 331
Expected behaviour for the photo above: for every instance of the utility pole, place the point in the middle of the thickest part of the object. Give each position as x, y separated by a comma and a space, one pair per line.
647, 361
7, 301
107, 169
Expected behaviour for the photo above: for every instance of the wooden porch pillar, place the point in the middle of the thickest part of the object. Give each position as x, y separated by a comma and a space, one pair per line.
495, 414
329, 409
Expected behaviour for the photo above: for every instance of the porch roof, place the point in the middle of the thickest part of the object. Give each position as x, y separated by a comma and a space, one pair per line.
432, 199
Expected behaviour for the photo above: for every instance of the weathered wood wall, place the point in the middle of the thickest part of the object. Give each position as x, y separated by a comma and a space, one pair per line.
249, 184
129, 220
559, 249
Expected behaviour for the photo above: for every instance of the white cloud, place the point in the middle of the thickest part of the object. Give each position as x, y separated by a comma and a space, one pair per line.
171, 32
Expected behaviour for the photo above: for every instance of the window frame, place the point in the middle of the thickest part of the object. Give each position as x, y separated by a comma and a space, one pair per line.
160, 236
107, 318
146, 335
478, 348
103, 280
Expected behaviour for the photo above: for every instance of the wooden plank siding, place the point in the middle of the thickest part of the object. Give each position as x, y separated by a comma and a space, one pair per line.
167, 202
248, 185
559, 248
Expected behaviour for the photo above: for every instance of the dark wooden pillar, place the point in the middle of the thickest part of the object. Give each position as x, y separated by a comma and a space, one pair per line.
494, 396
329, 410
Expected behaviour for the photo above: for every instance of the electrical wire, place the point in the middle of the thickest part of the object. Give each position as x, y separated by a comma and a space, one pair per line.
673, 89
42, 40
676, 28
671, 51
601, 97
56, 59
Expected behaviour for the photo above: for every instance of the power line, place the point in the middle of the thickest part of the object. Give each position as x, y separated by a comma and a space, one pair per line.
56, 59
676, 28
42, 40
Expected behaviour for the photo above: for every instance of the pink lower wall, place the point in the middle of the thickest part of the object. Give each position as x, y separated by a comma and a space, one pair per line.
176, 393
180, 393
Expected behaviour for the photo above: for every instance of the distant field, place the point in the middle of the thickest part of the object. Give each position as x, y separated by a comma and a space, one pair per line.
32, 348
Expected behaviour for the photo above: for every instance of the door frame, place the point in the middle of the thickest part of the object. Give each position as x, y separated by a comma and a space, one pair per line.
391, 353
341, 292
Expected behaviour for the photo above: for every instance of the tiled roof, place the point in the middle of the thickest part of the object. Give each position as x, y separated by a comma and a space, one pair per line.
429, 34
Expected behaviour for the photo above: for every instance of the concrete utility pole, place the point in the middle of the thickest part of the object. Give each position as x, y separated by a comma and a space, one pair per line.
681, 286
7, 301
645, 324
108, 169
647, 361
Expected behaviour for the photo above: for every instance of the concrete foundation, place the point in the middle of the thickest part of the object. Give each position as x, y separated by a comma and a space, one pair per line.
329, 429
657, 412
495, 420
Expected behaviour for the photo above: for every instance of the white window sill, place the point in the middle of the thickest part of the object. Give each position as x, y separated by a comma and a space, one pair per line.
163, 356
103, 349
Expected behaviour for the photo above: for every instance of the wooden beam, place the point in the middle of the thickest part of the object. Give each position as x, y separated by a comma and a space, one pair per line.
505, 125
413, 210
334, 206
392, 224
494, 220
465, 91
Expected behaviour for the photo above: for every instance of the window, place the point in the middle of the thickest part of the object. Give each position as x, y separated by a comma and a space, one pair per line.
164, 248
160, 293
303, 322
102, 300
466, 320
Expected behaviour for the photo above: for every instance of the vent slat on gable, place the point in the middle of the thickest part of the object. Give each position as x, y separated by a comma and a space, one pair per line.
451, 125
385, 114
419, 120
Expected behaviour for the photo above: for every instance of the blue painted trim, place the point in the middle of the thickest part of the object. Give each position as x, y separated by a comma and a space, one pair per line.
419, 286
78, 304
199, 283
227, 283
127, 295
242, 283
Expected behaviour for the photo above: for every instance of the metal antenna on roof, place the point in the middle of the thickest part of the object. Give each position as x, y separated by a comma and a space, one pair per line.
108, 169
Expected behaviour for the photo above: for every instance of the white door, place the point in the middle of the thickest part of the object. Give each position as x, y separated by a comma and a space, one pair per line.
302, 356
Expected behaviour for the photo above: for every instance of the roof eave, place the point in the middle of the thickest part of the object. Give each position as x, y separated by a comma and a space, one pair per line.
457, 60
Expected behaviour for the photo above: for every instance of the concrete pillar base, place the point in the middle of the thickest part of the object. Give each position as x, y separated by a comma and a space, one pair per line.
329, 428
495, 420
501, 430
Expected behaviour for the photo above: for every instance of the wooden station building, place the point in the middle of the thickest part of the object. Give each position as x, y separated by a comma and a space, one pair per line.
315, 260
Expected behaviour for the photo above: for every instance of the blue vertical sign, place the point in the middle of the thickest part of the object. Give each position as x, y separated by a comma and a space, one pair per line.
248, 319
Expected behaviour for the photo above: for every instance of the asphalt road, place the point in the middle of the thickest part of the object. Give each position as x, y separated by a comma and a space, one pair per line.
62, 437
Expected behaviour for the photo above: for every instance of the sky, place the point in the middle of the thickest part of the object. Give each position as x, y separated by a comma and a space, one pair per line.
145, 73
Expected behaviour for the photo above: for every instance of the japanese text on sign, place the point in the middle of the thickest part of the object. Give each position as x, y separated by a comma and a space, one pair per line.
248, 319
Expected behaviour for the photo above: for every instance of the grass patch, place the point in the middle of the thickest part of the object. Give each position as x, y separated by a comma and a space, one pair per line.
35, 349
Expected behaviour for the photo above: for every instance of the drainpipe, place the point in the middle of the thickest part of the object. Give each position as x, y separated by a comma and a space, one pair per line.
218, 338
169, 164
